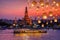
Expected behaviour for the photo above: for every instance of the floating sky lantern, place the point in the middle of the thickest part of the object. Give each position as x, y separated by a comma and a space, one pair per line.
34, 3
37, 9
47, 4
57, 4
42, 4
54, 2
50, 14
41, 1
44, 16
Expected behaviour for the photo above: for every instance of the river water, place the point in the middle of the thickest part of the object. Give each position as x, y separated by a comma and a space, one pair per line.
50, 35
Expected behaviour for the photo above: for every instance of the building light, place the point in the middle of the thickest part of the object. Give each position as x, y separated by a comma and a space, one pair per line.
47, 23
55, 20
39, 21
35, 26
14, 24
42, 25
50, 21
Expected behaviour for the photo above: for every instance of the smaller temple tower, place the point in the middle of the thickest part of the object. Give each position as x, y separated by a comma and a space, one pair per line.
15, 22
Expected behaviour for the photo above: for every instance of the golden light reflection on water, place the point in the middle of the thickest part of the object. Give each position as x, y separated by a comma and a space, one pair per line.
29, 36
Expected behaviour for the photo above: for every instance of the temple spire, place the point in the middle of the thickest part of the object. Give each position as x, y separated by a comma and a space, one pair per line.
27, 20
26, 10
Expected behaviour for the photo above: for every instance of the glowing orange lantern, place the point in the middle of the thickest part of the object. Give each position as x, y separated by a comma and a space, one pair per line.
41, 1
47, 4
42, 4
57, 4
44, 17
34, 3
37, 8
54, 2
50, 14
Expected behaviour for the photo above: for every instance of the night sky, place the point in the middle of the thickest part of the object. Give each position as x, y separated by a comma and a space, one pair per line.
13, 8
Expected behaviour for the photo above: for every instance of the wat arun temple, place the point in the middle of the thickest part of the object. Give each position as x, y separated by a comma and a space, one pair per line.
26, 19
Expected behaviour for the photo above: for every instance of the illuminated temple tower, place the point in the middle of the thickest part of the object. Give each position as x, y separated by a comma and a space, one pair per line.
27, 20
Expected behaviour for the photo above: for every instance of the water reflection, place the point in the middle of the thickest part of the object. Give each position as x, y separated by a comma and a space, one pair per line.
22, 36
30, 36
50, 35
